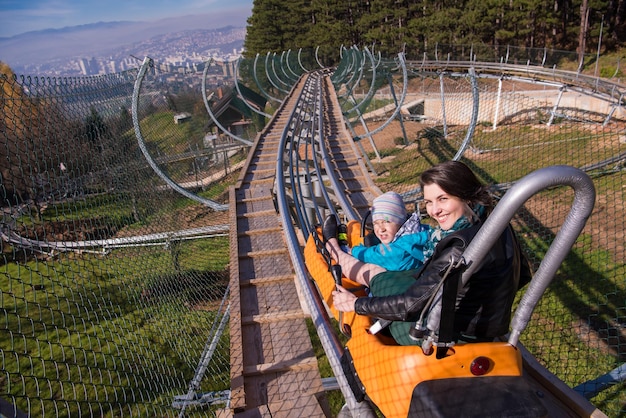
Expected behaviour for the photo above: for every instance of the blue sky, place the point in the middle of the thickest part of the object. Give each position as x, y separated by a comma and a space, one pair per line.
19, 16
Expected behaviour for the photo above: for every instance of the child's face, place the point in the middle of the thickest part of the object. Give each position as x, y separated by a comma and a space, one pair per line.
385, 230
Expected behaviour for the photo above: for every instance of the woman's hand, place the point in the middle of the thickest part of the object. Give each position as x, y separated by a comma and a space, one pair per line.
343, 299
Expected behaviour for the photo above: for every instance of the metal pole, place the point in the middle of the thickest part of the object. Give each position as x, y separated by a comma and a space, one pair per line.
498, 98
443, 106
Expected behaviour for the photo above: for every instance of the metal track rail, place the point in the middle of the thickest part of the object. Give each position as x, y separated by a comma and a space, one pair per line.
600, 88
273, 370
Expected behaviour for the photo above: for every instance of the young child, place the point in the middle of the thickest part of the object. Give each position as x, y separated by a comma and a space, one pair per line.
402, 240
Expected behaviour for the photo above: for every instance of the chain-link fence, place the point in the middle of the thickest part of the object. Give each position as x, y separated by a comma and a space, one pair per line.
113, 286
509, 126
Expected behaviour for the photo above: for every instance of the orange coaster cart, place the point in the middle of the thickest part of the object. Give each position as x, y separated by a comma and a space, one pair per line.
402, 380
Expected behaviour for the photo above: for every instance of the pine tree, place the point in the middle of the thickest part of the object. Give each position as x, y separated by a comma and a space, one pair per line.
391, 26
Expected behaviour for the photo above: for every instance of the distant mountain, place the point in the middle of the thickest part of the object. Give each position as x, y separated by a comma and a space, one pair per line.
101, 38
69, 29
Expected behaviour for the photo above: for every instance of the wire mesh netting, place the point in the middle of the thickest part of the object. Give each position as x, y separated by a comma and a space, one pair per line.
517, 125
114, 286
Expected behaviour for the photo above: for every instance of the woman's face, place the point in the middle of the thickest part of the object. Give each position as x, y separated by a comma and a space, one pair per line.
443, 207
385, 230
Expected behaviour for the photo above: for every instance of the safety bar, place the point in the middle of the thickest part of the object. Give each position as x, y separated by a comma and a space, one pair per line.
584, 199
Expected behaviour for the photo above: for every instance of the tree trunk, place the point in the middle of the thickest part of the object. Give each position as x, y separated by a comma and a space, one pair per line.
582, 37
620, 14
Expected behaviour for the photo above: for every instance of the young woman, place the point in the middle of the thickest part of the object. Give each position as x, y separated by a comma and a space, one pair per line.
459, 203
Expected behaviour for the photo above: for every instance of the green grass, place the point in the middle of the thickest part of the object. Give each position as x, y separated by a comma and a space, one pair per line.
162, 134
219, 189
495, 155
106, 324
582, 291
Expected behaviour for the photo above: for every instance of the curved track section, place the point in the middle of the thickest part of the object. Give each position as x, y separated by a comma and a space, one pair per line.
273, 369
346, 168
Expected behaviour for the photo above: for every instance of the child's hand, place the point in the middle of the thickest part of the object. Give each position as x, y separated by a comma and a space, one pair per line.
343, 299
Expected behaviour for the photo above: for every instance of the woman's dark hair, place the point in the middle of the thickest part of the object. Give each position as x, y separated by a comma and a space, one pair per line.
456, 179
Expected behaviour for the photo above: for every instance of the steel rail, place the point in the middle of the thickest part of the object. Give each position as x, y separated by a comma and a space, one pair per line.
282, 67
254, 109
610, 91
147, 63
371, 91
332, 346
270, 79
258, 84
400, 102
300, 61
207, 105
297, 76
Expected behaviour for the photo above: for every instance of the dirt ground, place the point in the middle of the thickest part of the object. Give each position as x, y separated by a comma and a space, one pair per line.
387, 137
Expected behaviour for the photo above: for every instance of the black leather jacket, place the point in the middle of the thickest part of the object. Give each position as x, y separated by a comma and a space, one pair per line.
483, 305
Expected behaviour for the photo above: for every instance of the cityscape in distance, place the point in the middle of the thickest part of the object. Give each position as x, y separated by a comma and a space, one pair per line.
181, 48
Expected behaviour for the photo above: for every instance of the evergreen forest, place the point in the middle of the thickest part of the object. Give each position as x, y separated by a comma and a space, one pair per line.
392, 26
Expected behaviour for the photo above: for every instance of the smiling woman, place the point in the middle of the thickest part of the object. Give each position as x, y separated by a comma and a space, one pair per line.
459, 203
451, 192
442, 207
454, 198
